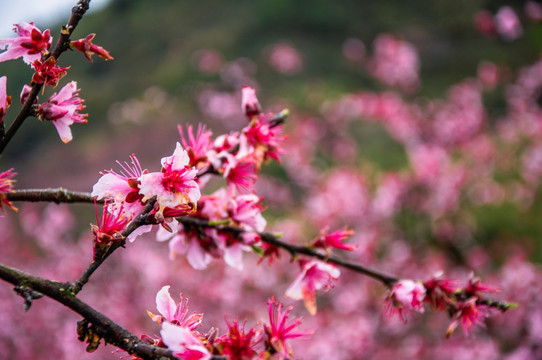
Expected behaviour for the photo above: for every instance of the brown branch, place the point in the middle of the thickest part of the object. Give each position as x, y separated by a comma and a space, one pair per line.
294, 249
58, 195
62, 45
104, 327
102, 254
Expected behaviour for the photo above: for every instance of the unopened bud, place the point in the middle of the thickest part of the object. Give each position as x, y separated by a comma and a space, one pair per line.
249, 103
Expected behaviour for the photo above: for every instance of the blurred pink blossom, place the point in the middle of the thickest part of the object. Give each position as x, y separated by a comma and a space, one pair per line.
405, 296
488, 74
395, 63
315, 275
285, 58
208, 61
507, 23
484, 23
533, 10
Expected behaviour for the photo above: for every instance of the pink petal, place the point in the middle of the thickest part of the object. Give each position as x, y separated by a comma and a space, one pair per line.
233, 256
165, 304
139, 231
63, 130
196, 256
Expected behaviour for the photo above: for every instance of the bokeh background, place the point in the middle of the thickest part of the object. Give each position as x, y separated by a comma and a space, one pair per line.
185, 63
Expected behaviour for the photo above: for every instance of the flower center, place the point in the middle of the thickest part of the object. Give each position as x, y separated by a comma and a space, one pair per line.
176, 181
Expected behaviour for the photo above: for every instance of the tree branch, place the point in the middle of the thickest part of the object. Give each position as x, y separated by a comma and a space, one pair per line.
294, 249
100, 255
104, 327
61, 45
58, 195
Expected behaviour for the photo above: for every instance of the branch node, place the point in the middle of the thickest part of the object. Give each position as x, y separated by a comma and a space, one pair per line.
28, 295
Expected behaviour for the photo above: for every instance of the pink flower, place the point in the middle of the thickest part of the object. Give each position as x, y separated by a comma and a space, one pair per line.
6, 186
225, 142
25, 92
63, 110
507, 23
249, 102
484, 23
195, 245
334, 240
175, 314
175, 185
388, 197
110, 225
196, 146
47, 72
30, 44
314, 276
261, 141
88, 48
285, 59
395, 62
475, 287
279, 331
123, 187
5, 100
439, 292
239, 344
468, 313
246, 211
405, 296
488, 74
240, 174
183, 343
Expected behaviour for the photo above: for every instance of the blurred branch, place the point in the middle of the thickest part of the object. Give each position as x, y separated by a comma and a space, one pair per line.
61, 45
103, 253
101, 325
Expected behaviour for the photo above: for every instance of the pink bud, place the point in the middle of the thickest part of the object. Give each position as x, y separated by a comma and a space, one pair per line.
249, 103
25, 93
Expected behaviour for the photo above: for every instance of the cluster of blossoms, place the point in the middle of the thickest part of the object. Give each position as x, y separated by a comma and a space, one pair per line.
180, 333
465, 305
393, 62
63, 108
237, 158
